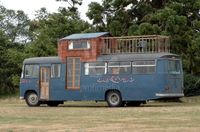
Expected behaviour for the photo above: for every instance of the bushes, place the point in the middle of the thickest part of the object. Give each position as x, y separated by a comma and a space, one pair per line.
191, 85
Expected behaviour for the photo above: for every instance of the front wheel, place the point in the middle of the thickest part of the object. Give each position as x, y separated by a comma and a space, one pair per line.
32, 99
114, 99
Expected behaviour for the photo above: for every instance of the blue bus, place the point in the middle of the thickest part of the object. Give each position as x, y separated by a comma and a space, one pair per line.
120, 79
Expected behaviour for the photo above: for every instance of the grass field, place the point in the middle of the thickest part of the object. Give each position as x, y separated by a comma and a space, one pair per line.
90, 116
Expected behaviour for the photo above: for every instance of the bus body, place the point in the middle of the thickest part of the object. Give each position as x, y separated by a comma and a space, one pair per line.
119, 79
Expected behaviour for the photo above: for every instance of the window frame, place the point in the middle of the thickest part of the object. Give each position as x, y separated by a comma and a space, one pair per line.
31, 77
119, 66
131, 67
23, 71
60, 68
73, 75
71, 43
143, 65
88, 67
174, 72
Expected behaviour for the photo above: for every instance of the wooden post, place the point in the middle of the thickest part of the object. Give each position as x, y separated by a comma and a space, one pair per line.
153, 45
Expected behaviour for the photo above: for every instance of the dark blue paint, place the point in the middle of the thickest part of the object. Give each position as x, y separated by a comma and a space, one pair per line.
131, 86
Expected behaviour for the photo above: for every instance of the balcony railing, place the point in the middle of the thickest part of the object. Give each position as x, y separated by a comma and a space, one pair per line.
136, 44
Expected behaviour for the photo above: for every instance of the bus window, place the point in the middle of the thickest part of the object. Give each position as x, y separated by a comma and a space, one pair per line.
174, 67
95, 68
55, 70
143, 67
119, 67
31, 71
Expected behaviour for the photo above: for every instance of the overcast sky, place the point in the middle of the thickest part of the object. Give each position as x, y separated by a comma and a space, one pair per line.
30, 6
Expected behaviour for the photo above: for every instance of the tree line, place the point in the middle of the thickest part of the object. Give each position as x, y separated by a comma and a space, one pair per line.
21, 37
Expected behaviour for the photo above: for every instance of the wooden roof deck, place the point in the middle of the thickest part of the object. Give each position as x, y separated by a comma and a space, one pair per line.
135, 44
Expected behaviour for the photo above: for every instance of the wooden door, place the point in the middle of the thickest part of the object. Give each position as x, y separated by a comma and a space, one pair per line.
73, 72
44, 82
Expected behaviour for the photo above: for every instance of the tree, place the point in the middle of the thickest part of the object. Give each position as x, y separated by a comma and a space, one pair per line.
15, 24
72, 4
47, 29
11, 59
120, 13
3, 47
14, 33
96, 13
178, 19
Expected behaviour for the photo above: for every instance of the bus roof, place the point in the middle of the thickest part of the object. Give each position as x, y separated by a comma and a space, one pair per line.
114, 57
42, 60
139, 56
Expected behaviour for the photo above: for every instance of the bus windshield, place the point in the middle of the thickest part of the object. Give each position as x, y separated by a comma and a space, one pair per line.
174, 67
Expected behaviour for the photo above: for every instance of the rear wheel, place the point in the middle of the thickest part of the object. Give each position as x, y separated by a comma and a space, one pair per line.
114, 99
32, 99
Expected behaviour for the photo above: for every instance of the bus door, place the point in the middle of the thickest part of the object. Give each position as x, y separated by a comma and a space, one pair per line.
44, 82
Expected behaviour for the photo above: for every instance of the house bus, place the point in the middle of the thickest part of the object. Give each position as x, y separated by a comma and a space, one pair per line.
115, 75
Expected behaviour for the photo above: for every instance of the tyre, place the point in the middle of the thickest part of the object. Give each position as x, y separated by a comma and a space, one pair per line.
114, 99
32, 99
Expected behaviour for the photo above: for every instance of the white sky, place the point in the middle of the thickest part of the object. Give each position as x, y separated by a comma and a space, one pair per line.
30, 6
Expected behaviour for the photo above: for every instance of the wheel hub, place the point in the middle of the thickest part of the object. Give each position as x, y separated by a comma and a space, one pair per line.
33, 99
114, 99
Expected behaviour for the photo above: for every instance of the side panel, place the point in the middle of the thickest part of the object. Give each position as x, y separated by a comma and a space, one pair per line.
173, 81
132, 87
58, 90
29, 80
27, 84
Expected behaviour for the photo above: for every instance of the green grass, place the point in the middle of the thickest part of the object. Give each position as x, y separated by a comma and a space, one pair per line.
15, 115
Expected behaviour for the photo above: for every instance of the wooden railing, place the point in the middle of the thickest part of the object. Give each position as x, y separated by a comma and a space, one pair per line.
135, 44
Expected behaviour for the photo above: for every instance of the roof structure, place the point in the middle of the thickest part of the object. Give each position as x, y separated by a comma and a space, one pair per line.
132, 57
39, 60
85, 36
120, 57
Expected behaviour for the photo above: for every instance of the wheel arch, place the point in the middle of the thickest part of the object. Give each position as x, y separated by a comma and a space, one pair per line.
116, 90
29, 91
